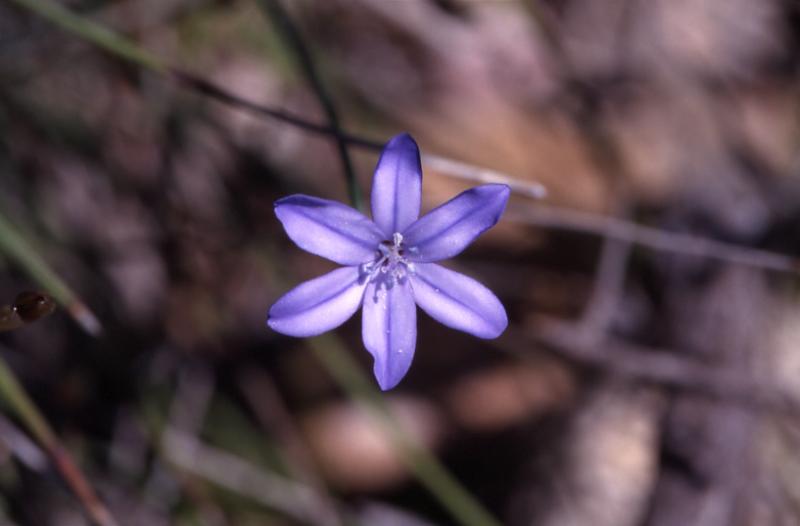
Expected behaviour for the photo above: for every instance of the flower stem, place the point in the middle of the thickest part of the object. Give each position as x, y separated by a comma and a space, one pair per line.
292, 35
425, 466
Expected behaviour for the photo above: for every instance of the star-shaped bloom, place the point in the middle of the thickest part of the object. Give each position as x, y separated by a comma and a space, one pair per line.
388, 261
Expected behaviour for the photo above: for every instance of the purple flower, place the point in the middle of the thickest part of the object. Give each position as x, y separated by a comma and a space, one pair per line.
389, 264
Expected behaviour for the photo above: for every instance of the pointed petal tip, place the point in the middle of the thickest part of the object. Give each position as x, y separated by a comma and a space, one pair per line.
402, 140
492, 329
285, 199
449, 228
271, 323
495, 331
501, 190
387, 382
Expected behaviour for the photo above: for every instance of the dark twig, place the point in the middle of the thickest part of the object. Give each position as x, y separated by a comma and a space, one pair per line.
445, 165
292, 35
204, 87
552, 217
541, 215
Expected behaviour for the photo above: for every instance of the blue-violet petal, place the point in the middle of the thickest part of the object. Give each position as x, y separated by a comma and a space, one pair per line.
458, 301
389, 330
397, 185
318, 305
328, 229
447, 230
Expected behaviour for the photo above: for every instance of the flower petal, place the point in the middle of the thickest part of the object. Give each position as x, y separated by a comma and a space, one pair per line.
318, 305
447, 230
397, 185
458, 301
328, 229
389, 329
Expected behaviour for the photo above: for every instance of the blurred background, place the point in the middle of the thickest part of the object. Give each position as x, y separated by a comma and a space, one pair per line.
650, 374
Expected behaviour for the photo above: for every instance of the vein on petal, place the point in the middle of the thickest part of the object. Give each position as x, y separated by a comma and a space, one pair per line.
452, 225
444, 293
324, 299
490, 324
342, 233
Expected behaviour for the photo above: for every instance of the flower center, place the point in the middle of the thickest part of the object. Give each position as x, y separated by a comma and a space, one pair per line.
390, 265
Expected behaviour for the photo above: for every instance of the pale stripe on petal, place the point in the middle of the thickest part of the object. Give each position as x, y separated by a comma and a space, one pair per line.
329, 229
318, 305
458, 301
447, 230
397, 186
389, 329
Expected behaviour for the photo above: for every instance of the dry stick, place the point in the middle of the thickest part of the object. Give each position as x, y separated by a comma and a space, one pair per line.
542, 215
181, 447
431, 473
444, 165
653, 238
15, 395
598, 315
662, 367
606, 155
292, 35
271, 412
236, 474
22, 447
15, 246
551, 216
187, 412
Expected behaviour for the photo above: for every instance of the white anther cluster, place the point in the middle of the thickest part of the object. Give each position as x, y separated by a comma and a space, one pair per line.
390, 265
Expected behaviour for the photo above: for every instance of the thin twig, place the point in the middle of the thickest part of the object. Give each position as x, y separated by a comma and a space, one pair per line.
443, 165
234, 473
607, 291
273, 415
15, 397
653, 238
542, 216
292, 35
21, 446
121, 47
476, 174
661, 367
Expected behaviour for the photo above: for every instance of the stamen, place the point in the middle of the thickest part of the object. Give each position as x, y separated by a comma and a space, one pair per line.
389, 266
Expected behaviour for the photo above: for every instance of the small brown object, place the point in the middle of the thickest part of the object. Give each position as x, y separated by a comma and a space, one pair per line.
9, 319
30, 306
